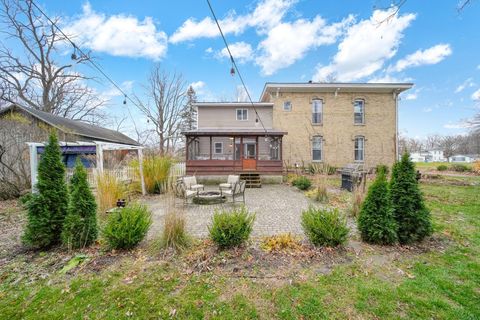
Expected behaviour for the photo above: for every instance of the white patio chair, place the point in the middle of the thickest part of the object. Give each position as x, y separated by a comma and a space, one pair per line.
181, 191
237, 190
231, 180
191, 183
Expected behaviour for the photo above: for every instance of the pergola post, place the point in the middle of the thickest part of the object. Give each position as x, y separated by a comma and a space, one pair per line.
140, 167
33, 165
100, 158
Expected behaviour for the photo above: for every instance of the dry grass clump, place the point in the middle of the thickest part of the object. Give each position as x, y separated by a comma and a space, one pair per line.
281, 242
476, 167
174, 230
109, 190
358, 195
156, 171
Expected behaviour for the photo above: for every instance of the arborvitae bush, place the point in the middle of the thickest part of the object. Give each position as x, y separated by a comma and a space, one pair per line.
48, 207
376, 221
413, 218
231, 228
325, 227
80, 225
126, 227
442, 167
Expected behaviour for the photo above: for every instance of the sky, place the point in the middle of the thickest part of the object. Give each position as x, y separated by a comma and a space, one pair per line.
426, 42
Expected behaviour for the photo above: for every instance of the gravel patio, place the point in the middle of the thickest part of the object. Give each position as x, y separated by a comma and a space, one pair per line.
277, 207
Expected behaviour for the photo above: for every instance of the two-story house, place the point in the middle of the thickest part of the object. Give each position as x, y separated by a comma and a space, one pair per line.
334, 123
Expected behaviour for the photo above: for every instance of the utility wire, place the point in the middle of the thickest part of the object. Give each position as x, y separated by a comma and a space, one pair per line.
93, 63
235, 65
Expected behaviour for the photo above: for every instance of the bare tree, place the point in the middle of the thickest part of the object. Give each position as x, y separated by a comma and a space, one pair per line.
36, 78
165, 100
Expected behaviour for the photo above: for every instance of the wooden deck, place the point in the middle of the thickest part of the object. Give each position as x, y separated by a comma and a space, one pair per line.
225, 167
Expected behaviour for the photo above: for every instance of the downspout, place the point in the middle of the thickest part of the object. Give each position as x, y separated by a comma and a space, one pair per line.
395, 95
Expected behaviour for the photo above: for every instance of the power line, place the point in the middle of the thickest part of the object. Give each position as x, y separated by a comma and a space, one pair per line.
93, 63
235, 65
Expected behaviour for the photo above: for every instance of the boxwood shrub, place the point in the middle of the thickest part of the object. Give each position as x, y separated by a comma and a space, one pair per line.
231, 228
324, 227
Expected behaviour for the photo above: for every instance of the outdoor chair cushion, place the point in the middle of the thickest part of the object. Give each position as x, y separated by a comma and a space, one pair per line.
191, 183
225, 185
196, 186
190, 193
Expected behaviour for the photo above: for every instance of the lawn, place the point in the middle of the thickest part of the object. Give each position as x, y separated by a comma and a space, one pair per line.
437, 279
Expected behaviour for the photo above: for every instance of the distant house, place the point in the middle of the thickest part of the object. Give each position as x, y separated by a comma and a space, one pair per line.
24, 130
433, 155
463, 158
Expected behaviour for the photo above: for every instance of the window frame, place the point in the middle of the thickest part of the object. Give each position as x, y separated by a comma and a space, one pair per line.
314, 113
362, 113
289, 103
243, 113
215, 147
355, 148
315, 149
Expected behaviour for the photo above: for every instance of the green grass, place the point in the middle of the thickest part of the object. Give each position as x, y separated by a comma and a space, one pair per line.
434, 165
441, 284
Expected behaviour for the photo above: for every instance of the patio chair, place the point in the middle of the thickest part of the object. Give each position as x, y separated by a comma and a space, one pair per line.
191, 183
231, 180
237, 190
181, 191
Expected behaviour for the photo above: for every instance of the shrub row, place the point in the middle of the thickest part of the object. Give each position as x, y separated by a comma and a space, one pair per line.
458, 167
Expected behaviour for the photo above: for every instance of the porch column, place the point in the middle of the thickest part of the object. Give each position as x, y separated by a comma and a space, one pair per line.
210, 147
140, 167
256, 148
280, 147
187, 143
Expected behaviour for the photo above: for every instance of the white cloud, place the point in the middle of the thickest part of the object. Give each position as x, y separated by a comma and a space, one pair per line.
209, 50
388, 78
267, 14
198, 85
412, 96
428, 56
466, 84
118, 35
459, 125
366, 46
427, 110
241, 51
476, 95
289, 41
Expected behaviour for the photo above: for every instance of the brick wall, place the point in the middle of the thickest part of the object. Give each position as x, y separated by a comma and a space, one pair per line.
338, 129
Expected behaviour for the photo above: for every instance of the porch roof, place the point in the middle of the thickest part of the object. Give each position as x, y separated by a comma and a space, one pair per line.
234, 132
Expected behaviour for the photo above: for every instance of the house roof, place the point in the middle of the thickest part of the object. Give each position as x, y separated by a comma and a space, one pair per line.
332, 87
76, 127
234, 132
233, 104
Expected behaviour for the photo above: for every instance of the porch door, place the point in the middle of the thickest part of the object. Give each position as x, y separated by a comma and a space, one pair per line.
249, 155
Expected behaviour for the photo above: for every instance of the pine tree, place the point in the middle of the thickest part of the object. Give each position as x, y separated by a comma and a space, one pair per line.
376, 221
48, 207
413, 218
80, 226
189, 113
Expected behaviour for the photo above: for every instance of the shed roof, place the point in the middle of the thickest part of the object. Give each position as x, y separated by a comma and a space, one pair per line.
75, 127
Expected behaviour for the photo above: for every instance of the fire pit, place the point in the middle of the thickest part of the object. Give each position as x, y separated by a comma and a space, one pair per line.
209, 197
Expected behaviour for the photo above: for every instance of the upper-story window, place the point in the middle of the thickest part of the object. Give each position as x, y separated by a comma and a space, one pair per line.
317, 111
242, 114
359, 111
359, 148
317, 148
287, 106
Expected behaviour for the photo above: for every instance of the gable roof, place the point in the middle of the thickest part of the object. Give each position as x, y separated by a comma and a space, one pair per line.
332, 87
76, 127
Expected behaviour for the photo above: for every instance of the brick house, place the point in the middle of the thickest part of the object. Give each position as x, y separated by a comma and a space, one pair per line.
334, 123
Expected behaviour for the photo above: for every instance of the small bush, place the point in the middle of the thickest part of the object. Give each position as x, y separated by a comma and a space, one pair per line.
281, 242
442, 167
319, 194
302, 183
174, 234
126, 227
476, 167
231, 228
109, 190
324, 227
458, 167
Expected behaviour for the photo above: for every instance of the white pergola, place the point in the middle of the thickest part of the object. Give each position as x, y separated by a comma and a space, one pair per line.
100, 147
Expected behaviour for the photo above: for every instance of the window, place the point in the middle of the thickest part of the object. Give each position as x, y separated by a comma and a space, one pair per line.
359, 111
317, 148
242, 114
359, 148
287, 106
317, 110
218, 148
